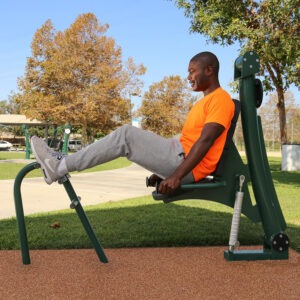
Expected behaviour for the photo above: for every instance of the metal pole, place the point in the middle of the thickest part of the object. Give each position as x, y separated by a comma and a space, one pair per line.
27, 142
276, 243
20, 211
66, 139
266, 198
75, 203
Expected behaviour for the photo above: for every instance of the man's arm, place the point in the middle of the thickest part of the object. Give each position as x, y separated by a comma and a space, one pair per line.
210, 133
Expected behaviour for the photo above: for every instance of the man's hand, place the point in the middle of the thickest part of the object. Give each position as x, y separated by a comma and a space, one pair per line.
210, 133
153, 180
169, 185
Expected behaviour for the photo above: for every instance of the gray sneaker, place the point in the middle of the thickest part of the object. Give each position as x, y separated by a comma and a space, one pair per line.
47, 158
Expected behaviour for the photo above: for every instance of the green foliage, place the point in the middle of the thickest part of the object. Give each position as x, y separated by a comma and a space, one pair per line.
271, 28
3, 107
10, 106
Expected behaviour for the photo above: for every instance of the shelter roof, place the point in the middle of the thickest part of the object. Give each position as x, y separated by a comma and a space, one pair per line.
11, 119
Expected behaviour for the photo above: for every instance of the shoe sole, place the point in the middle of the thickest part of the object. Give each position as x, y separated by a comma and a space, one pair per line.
44, 169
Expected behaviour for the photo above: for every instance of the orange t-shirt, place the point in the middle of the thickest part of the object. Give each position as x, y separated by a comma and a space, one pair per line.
216, 107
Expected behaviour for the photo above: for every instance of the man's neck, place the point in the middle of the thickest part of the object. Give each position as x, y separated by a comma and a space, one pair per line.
211, 89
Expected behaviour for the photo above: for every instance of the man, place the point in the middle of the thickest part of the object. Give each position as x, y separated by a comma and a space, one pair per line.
187, 160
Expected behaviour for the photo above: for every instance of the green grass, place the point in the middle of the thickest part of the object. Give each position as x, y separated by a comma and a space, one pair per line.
287, 185
11, 155
10, 170
142, 222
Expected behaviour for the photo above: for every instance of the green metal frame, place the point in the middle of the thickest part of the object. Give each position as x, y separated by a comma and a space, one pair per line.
266, 208
27, 142
276, 242
75, 203
28, 150
223, 189
67, 132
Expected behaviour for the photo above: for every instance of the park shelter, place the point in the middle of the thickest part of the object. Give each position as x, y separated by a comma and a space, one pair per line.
18, 120
22, 120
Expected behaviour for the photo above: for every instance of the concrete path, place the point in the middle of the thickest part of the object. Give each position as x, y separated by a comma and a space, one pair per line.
93, 188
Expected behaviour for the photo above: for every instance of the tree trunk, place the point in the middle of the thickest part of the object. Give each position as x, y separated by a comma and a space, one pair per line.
282, 116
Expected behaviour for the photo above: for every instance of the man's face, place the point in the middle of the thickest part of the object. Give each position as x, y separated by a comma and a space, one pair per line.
197, 76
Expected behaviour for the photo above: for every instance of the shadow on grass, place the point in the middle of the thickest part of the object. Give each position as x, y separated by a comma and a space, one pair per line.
283, 177
155, 225
288, 178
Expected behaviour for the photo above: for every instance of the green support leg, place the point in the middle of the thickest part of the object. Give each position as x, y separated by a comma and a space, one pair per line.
74, 204
27, 142
66, 139
20, 211
276, 242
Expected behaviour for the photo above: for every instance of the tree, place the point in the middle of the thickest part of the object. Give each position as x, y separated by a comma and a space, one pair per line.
165, 105
3, 107
270, 27
294, 125
10, 106
270, 123
76, 76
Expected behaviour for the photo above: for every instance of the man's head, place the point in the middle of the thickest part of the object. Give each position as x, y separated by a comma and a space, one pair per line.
203, 72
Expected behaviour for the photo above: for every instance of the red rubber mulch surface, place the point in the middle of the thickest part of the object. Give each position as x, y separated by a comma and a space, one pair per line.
146, 273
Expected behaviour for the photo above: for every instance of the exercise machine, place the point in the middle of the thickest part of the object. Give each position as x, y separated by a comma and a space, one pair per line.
230, 183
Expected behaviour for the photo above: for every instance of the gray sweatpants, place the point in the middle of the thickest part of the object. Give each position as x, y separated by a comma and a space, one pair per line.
157, 154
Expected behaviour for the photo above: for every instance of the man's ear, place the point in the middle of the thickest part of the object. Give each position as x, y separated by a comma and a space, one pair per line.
209, 70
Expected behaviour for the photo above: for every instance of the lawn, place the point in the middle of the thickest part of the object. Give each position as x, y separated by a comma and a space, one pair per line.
9, 170
142, 222
11, 155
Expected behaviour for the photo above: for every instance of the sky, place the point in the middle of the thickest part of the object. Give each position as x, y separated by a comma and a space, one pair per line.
152, 32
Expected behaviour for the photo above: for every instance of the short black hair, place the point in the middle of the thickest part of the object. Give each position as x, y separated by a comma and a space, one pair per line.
209, 59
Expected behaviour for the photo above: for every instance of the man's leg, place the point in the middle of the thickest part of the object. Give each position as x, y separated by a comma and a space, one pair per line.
151, 151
